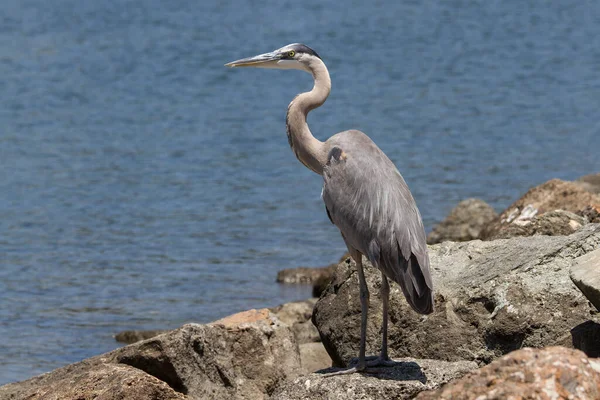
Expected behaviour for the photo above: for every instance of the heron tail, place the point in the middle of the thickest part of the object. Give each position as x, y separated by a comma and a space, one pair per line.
414, 287
412, 281
409, 274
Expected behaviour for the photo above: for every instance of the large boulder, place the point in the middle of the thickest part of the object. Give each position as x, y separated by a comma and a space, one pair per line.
552, 195
403, 381
585, 273
550, 373
465, 222
491, 298
244, 356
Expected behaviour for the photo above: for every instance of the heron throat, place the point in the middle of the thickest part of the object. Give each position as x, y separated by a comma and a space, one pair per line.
309, 150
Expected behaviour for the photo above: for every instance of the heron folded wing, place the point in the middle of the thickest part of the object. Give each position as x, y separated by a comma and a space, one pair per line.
369, 201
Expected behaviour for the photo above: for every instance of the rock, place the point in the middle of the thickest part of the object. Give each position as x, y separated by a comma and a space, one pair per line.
137, 335
294, 312
586, 337
552, 223
591, 213
465, 222
314, 357
590, 182
303, 275
320, 285
297, 315
318, 277
552, 195
92, 381
244, 356
404, 381
585, 273
491, 298
550, 373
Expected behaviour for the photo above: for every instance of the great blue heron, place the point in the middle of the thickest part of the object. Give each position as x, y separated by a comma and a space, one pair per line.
365, 197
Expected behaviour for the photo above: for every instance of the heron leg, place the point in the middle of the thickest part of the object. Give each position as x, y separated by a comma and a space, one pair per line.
383, 359
361, 366
385, 298
364, 308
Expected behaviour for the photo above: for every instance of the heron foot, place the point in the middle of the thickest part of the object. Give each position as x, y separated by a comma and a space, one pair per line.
373, 367
346, 371
376, 361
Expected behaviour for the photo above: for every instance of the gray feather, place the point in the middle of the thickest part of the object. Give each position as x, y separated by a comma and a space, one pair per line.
369, 201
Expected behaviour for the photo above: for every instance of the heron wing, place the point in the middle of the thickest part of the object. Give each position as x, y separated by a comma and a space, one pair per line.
369, 201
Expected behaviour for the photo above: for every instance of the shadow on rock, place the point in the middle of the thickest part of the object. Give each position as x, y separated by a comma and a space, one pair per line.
586, 337
401, 371
402, 381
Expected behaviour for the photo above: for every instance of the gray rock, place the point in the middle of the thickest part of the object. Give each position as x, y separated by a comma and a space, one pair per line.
297, 315
244, 356
465, 222
549, 196
320, 285
318, 277
314, 357
133, 336
303, 275
491, 298
585, 273
404, 381
586, 337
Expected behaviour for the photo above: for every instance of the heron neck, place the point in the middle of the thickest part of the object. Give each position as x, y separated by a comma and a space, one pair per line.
309, 150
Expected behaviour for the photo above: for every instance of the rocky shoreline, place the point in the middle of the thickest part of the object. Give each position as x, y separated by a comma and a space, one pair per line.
516, 314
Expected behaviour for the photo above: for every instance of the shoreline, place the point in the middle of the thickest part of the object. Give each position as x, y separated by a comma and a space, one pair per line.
288, 343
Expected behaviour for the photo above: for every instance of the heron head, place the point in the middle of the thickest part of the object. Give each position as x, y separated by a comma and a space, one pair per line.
292, 56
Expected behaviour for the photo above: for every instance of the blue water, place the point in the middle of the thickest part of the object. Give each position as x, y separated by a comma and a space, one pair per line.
143, 185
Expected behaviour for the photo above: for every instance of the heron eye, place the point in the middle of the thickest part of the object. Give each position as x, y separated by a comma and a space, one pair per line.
291, 53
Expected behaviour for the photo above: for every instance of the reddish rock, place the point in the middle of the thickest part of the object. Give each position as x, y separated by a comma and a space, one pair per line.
239, 320
92, 380
552, 195
590, 182
549, 373
552, 223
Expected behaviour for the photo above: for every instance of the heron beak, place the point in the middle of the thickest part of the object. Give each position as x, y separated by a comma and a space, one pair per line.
266, 60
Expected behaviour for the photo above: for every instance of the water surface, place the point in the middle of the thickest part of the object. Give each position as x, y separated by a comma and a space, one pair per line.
143, 185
